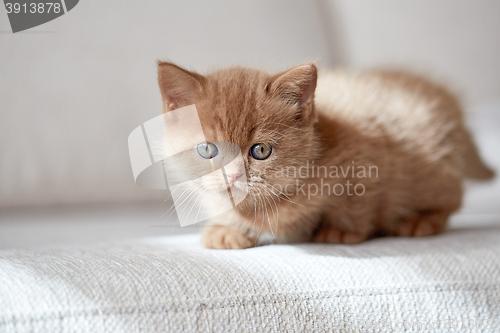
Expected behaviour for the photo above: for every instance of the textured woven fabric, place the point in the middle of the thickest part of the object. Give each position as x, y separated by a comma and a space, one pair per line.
444, 283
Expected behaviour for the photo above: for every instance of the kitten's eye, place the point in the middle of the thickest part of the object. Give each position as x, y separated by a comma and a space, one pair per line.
207, 150
261, 151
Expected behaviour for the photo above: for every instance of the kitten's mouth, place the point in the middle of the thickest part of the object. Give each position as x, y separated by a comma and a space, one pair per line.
234, 188
238, 189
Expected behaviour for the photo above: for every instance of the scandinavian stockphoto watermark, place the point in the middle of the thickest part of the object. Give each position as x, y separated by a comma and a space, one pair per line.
171, 152
206, 179
331, 180
31, 13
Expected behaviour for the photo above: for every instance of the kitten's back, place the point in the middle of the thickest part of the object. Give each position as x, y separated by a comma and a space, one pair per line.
420, 115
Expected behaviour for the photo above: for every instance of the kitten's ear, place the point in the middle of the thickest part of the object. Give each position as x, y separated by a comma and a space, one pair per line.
178, 86
297, 86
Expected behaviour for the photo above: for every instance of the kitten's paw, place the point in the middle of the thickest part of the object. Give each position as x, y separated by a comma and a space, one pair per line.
222, 237
423, 225
336, 236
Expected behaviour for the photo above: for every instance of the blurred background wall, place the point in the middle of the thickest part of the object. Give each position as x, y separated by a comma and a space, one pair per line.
72, 89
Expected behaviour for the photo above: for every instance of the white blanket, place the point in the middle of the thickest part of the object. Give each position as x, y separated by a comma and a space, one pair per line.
443, 283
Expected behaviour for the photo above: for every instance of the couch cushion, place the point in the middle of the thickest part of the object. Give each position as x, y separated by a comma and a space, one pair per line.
171, 284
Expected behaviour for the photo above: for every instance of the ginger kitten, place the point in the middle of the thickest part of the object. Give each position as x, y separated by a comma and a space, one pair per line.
335, 159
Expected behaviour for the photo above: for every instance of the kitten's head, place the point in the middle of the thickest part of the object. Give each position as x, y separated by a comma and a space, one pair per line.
270, 117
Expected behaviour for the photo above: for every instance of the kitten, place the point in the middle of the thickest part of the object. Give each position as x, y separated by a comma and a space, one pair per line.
335, 159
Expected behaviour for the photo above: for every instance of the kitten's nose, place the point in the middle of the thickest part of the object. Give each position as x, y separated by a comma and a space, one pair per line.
233, 177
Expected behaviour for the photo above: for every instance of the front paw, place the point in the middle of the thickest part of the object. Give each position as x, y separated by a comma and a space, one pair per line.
222, 237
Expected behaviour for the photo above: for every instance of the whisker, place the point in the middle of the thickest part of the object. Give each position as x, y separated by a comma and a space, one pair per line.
202, 205
172, 209
266, 214
194, 203
277, 217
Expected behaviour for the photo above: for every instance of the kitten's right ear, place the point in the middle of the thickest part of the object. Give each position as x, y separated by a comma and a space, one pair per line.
178, 86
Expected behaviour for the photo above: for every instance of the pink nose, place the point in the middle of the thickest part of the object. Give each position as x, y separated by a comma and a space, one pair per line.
233, 177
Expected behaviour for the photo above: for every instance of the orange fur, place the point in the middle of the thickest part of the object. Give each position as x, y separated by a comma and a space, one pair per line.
407, 128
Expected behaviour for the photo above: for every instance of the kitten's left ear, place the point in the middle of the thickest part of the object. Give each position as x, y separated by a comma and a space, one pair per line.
297, 86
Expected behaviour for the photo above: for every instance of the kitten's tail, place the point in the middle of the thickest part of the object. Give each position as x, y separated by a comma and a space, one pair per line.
474, 166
